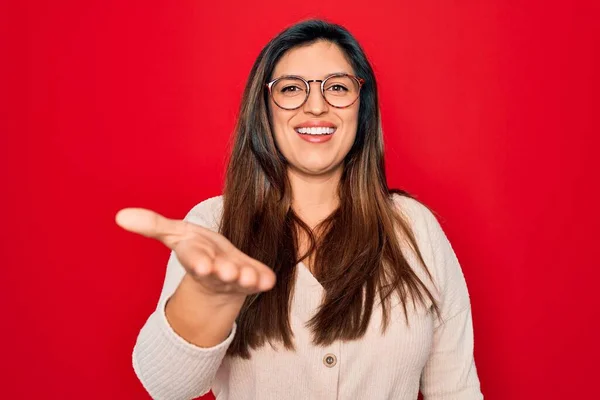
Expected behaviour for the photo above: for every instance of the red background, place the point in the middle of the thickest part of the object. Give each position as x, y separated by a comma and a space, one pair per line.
490, 116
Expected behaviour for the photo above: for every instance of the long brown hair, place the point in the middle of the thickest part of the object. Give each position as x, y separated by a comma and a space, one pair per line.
357, 252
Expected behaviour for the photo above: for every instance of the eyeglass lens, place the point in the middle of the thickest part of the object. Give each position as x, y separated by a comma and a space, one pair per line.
339, 91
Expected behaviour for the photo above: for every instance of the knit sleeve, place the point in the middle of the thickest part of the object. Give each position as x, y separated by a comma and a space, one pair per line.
168, 366
450, 372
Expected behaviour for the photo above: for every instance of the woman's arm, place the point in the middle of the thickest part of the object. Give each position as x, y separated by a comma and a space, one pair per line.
450, 372
182, 344
169, 365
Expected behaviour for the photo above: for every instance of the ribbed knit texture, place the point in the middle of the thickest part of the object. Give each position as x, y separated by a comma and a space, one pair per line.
431, 356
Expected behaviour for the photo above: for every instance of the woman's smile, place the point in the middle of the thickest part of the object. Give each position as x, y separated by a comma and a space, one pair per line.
316, 131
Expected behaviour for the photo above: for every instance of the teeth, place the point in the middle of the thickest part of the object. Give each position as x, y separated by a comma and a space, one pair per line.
316, 131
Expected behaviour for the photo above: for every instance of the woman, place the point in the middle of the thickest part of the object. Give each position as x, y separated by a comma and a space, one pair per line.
308, 278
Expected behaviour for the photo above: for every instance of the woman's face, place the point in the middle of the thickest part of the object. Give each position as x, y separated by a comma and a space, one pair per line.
306, 154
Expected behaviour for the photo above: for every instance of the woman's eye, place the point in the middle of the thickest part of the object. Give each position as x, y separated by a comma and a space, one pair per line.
338, 88
290, 89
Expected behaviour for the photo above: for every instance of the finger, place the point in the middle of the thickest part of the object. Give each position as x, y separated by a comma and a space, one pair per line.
248, 277
202, 266
266, 280
266, 276
194, 258
149, 223
247, 260
226, 270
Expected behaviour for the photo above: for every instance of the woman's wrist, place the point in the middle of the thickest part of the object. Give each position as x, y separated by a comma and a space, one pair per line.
202, 319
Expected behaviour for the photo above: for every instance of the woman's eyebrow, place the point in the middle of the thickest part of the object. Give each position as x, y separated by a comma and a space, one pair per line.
323, 77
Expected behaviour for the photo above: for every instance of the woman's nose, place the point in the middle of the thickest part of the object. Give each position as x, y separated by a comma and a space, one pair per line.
315, 104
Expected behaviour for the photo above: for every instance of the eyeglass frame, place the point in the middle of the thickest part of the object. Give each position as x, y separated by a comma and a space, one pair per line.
269, 86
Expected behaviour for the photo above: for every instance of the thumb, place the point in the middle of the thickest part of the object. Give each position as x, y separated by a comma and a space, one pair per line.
147, 223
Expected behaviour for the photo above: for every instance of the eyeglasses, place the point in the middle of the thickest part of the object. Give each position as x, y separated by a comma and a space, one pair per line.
291, 92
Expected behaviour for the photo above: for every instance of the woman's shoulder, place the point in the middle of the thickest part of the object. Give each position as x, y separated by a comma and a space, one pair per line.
207, 213
432, 241
421, 219
417, 213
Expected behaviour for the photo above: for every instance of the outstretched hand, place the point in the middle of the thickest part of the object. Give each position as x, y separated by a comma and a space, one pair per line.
208, 257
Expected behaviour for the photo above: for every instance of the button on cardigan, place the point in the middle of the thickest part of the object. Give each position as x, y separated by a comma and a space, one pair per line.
428, 355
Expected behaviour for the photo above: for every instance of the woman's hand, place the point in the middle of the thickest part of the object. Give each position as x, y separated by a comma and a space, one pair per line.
212, 261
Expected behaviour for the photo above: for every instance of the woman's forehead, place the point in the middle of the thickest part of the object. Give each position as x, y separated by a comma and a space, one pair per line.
314, 61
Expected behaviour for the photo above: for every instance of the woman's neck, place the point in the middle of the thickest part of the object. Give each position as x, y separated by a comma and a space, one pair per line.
314, 198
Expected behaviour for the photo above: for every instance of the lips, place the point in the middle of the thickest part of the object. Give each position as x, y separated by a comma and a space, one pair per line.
318, 138
316, 128
319, 130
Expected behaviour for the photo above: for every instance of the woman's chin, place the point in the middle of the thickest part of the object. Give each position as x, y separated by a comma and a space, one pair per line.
315, 169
